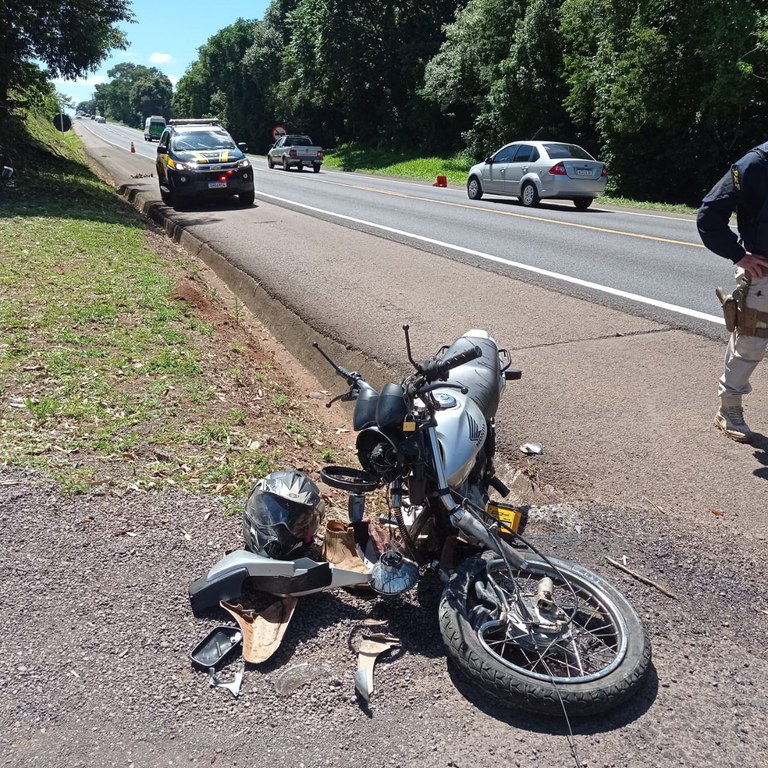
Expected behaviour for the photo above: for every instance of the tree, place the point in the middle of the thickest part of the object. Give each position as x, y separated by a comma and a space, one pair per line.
87, 107
133, 92
218, 83
468, 67
674, 91
151, 95
65, 102
352, 68
71, 41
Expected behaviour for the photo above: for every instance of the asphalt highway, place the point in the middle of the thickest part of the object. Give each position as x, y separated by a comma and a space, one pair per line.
643, 262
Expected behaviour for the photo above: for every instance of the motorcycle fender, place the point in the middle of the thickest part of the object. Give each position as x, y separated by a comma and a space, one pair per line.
224, 580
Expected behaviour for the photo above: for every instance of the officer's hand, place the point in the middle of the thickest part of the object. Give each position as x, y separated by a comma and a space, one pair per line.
755, 266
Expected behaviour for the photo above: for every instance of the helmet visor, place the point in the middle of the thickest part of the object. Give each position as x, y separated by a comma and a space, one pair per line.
300, 520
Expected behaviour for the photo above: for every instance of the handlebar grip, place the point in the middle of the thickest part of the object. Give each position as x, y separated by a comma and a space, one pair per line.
439, 369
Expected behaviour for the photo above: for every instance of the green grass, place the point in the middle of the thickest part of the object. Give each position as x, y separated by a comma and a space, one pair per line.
390, 162
349, 157
299, 432
102, 381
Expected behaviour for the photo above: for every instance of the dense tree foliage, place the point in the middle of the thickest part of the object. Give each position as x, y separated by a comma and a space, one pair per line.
221, 83
70, 39
673, 90
88, 106
134, 92
666, 91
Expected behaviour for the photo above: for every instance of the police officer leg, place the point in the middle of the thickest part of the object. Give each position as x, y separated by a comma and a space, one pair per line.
742, 356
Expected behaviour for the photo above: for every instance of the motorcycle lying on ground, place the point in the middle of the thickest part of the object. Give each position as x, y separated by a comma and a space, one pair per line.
535, 632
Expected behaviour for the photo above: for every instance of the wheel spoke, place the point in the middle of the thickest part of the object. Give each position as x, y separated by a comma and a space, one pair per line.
586, 642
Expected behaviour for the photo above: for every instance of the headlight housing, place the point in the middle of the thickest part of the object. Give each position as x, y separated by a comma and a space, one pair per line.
185, 166
244, 163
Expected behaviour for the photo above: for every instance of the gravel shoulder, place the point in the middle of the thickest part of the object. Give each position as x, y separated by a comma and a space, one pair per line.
96, 631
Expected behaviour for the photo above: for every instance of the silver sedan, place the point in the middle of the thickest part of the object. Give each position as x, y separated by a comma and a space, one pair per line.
534, 170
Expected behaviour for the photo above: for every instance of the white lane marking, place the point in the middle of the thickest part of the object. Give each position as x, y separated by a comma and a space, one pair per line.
516, 264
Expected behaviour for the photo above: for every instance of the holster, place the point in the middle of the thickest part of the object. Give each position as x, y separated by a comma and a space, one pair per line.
739, 316
730, 309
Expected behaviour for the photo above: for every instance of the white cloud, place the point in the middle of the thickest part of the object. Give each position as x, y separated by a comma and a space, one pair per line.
160, 58
174, 79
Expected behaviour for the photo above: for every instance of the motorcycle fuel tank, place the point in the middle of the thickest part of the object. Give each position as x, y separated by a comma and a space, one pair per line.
461, 432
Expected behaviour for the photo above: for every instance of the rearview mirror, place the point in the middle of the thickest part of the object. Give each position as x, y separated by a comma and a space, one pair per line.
488, 160
243, 146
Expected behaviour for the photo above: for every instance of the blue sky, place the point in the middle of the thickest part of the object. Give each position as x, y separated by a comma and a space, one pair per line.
166, 35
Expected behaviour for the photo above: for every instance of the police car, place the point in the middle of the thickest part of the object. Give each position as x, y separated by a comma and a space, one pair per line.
198, 158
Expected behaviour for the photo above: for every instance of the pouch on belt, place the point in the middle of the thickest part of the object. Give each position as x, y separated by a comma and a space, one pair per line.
730, 308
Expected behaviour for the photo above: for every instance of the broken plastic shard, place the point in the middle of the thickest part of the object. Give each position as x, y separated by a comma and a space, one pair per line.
532, 449
291, 679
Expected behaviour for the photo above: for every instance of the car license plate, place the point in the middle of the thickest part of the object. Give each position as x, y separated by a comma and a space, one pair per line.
582, 172
217, 185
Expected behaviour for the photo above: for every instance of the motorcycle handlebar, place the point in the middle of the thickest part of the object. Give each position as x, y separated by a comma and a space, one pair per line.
438, 369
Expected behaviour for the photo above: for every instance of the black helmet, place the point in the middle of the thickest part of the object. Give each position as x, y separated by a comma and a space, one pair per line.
282, 514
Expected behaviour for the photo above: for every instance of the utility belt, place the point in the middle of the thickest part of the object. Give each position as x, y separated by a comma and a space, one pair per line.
738, 316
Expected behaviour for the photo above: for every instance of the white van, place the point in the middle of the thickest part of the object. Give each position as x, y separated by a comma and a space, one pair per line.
154, 126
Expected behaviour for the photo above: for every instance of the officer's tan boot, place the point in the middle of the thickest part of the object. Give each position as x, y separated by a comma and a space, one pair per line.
730, 420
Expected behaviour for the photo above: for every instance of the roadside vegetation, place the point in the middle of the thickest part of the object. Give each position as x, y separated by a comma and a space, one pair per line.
119, 368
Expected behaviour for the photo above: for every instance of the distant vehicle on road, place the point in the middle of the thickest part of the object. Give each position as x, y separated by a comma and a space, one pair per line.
198, 158
534, 170
154, 126
295, 151
101, 119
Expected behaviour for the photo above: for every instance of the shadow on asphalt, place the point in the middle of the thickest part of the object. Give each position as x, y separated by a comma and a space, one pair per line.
760, 444
566, 206
624, 714
211, 204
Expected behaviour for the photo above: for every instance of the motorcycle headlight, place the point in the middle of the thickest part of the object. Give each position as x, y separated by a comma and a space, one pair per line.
377, 454
244, 163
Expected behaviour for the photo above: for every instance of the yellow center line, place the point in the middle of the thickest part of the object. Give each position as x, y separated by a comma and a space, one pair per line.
512, 214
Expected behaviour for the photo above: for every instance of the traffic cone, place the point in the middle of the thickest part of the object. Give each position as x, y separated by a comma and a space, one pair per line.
133, 149
442, 181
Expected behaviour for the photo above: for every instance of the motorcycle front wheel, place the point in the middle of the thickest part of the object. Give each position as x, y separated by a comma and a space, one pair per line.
574, 645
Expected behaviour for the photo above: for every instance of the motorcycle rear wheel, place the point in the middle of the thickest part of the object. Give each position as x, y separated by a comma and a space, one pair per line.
598, 662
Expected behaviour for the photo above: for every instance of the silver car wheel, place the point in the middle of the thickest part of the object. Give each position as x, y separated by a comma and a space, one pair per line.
474, 190
529, 196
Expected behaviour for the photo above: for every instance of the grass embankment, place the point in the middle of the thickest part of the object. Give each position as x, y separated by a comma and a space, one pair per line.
107, 381
389, 162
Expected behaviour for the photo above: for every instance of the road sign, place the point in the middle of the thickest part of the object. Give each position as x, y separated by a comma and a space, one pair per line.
278, 131
62, 122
